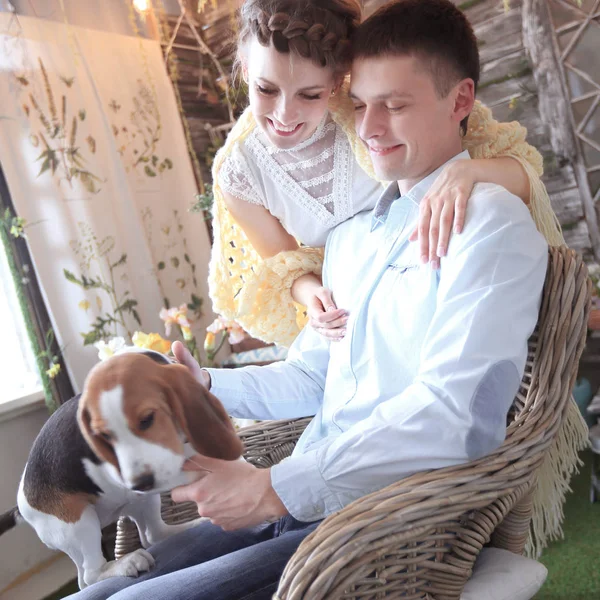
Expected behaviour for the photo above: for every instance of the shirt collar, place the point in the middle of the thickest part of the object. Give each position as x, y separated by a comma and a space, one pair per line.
415, 194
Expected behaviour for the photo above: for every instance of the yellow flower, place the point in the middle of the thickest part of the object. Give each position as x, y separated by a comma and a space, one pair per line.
151, 341
84, 305
209, 342
53, 371
187, 333
16, 230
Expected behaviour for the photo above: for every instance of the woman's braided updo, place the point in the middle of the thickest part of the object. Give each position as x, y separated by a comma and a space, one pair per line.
319, 30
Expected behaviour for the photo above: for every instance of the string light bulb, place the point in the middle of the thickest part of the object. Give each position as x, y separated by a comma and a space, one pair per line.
141, 5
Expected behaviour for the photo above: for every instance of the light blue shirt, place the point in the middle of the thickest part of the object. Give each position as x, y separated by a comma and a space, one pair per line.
431, 360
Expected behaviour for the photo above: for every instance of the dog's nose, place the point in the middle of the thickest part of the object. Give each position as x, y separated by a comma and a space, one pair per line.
143, 483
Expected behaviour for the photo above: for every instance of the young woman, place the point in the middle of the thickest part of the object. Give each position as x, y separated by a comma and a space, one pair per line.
292, 168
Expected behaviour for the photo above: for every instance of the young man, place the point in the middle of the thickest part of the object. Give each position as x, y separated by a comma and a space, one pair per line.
431, 361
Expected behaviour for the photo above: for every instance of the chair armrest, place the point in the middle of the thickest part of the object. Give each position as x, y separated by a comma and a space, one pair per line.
418, 536
266, 444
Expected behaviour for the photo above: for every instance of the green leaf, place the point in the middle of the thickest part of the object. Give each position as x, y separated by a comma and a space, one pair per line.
186, 257
53, 160
85, 283
161, 265
168, 163
91, 337
175, 261
128, 304
71, 277
45, 167
120, 262
154, 160
196, 300
136, 317
44, 153
87, 181
149, 171
82, 115
196, 305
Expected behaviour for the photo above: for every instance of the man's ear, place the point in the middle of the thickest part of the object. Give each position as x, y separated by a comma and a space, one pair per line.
464, 98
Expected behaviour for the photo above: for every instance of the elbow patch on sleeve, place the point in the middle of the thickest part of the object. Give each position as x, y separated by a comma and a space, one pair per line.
489, 408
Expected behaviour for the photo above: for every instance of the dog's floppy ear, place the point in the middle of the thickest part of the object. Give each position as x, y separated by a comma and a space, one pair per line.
200, 415
101, 448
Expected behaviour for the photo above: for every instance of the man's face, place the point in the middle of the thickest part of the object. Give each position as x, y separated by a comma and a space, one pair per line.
408, 129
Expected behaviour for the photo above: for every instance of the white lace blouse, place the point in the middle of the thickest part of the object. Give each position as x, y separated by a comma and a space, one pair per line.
310, 188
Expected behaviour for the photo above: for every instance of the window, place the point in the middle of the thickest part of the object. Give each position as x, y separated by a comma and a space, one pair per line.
18, 370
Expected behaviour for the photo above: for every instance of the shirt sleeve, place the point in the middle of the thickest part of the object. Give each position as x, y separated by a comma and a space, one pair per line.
283, 390
237, 179
471, 365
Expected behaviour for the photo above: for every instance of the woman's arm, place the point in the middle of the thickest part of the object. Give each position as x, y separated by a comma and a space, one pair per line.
445, 203
264, 231
268, 237
505, 171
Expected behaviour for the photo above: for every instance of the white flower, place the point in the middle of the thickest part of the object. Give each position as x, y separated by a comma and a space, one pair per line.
107, 350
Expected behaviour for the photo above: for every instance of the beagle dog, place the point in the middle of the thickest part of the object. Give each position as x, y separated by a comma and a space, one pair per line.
110, 451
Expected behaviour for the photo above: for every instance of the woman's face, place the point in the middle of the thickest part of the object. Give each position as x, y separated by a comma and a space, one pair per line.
288, 93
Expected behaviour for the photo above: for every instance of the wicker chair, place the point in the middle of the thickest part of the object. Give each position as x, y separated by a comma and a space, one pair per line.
419, 538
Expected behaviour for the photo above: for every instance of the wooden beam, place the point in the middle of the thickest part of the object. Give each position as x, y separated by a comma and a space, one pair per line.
540, 44
554, 108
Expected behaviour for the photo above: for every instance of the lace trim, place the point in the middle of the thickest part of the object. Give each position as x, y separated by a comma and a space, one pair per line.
319, 180
344, 180
235, 177
288, 185
309, 162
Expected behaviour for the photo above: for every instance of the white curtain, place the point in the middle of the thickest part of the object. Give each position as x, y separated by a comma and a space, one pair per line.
96, 160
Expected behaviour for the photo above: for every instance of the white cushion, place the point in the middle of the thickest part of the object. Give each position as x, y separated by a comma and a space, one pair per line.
501, 575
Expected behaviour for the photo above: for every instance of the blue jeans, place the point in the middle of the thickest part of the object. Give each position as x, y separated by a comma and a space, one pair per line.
207, 563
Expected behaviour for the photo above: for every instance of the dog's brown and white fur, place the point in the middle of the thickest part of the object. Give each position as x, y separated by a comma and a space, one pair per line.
110, 451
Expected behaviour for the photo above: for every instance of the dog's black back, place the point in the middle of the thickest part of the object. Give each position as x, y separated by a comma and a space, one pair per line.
55, 460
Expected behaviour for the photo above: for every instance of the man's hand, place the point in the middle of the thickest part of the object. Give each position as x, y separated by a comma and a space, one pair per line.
184, 356
232, 494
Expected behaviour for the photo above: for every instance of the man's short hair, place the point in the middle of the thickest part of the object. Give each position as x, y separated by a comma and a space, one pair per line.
434, 31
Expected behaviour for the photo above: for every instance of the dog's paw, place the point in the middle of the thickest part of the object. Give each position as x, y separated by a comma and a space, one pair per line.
130, 565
